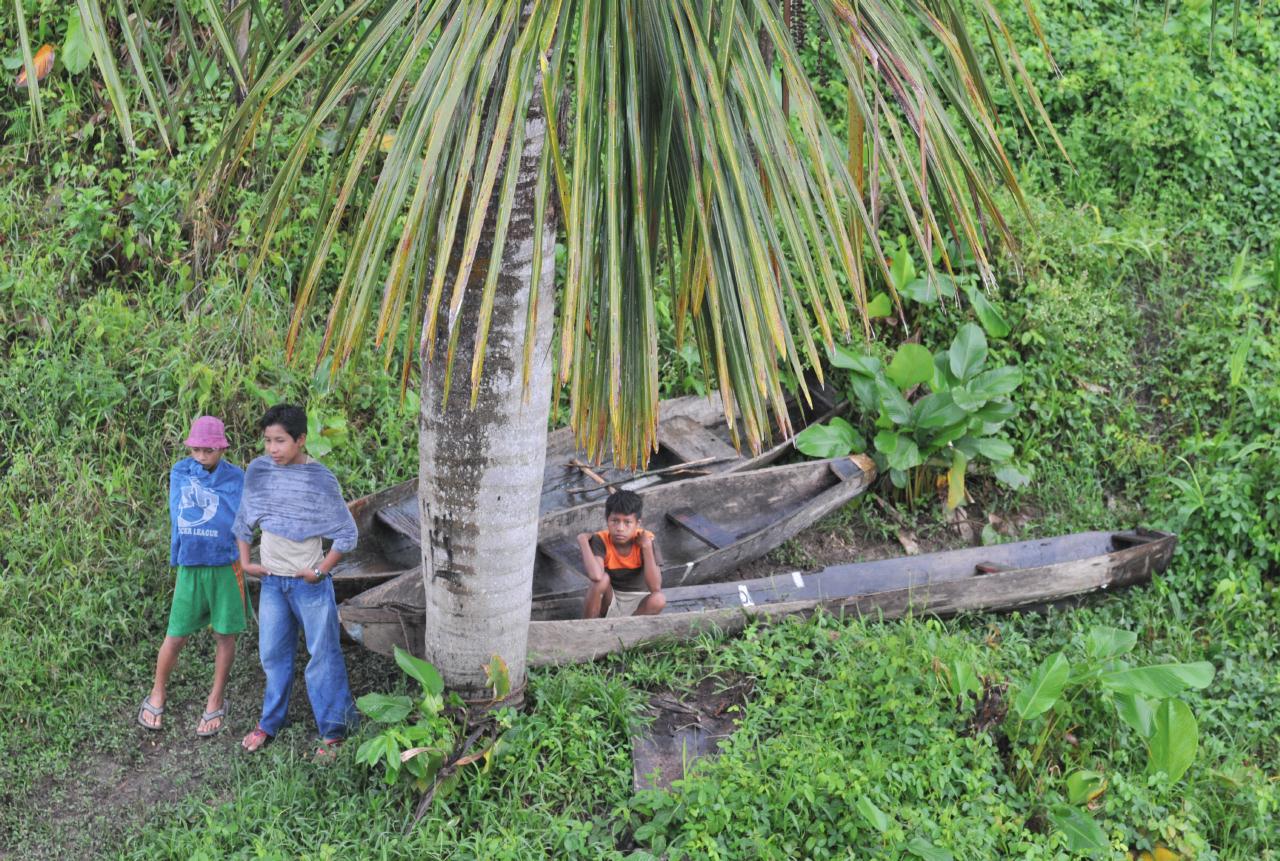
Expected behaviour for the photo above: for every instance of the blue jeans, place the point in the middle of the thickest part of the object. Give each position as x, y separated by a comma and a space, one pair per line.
285, 603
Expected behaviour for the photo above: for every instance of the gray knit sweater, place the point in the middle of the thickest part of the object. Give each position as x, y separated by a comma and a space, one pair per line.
298, 501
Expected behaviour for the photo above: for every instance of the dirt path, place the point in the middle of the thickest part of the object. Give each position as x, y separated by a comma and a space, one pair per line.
88, 809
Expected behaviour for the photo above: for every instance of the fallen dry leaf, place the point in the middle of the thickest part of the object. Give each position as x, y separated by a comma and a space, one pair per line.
43, 61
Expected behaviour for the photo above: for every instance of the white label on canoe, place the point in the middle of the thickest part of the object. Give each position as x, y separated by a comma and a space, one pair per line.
799, 581
745, 597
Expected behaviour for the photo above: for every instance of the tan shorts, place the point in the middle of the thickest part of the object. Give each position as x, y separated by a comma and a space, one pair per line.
625, 603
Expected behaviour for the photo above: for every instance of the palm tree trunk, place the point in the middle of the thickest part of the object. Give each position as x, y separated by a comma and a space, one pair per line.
481, 468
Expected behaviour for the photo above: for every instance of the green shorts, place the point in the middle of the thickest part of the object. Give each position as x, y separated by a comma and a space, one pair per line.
206, 596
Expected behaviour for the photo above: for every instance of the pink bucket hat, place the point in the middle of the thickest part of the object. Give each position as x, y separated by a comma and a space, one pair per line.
207, 432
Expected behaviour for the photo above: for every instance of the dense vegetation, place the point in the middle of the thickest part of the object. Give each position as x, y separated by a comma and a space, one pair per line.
1142, 313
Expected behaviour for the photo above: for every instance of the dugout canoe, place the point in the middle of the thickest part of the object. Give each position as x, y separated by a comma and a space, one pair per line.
704, 529
1025, 574
1020, 575
691, 429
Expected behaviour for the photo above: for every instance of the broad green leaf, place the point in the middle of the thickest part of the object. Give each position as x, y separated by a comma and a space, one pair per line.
935, 411
77, 54
922, 848
912, 364
865, 392
1161, 680
997, 411
963, 679
859, 363
920, 290
955, 480
902, 270
385, 708
418, 669
895, 406
1173, 744
1137, 713
996, 382
1084, 786
968, 352
943, 379
1103, 643
1083, 834
967, 399
834, 439
874, 816
988, 315
1044, 687
887, 441
1012, 476
880, 306
898, 477
906, 455
998, 450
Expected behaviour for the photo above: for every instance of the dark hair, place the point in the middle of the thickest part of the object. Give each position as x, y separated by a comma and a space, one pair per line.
624, 502
289, 416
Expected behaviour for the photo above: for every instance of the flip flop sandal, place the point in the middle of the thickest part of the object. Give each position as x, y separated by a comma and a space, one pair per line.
328, 750
155, 711
257, 738
213, 715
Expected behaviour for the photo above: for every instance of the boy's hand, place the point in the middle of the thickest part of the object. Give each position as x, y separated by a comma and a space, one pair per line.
645, 539
254, 568
308, 575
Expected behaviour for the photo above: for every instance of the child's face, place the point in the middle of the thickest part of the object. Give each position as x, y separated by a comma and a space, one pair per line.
206, 457
282, 448
622, 527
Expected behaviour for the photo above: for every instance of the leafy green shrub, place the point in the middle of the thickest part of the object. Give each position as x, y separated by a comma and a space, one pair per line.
958, 421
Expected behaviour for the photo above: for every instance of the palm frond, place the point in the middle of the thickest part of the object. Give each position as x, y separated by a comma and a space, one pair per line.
674, 167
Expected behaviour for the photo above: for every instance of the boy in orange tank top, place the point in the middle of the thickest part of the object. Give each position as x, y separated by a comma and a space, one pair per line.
622, 563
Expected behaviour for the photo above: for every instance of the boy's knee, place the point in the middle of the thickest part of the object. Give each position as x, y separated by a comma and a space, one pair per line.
657, 600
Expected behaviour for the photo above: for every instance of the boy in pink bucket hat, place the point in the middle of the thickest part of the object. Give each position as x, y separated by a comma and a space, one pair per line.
204, 495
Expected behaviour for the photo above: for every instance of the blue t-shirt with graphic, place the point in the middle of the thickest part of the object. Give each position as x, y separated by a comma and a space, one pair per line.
202, 507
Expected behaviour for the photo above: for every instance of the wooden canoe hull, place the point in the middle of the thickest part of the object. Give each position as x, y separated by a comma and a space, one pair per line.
578, 641
940, 584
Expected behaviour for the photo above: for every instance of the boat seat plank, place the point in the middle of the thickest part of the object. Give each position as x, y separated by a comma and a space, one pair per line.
711, 534
562, 549
845, 469
690, 441
403, 518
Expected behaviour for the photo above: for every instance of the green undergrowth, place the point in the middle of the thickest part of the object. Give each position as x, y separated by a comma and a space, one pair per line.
1142, 315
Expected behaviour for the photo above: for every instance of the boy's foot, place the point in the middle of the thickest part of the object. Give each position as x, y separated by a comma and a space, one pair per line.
255, 740
328, 750
211, 722
149, 716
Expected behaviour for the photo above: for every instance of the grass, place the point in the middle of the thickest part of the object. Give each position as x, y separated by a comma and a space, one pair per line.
1127, 310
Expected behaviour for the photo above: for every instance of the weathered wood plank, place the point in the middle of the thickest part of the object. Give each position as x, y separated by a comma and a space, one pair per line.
711, 534
689, 440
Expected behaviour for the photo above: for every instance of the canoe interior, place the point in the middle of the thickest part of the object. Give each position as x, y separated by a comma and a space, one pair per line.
724, 513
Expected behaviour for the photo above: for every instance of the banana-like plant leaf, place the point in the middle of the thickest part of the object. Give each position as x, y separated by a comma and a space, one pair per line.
1159, 681
1084, 835
1174, 740
1044, 687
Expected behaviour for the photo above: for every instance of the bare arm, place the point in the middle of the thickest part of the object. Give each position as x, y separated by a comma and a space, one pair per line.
245, 565
591, 563
652, 563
